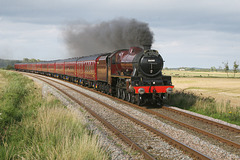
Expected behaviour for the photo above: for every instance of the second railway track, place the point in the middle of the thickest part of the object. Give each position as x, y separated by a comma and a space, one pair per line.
143, 132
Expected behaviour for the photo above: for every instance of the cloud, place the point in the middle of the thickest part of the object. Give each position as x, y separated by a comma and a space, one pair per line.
19, 40
195, 48
188, 14
186, 32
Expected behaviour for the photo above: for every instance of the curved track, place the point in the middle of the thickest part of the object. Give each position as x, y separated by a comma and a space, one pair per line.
204, 120
170, 140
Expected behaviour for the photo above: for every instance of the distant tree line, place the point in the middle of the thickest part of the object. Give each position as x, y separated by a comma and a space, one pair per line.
26, 60
9, 64
235, 67
225, 68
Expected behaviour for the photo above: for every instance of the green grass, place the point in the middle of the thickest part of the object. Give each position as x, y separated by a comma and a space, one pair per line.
3, 82
11, 99
206, 106
37, 128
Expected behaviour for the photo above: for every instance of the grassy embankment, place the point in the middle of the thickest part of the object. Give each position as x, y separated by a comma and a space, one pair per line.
206, 106
37, 128
207, 96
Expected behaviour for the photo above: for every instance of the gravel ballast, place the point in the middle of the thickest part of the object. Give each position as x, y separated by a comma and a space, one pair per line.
203, 146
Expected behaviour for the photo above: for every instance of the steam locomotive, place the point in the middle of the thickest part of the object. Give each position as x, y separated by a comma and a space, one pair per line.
134, 74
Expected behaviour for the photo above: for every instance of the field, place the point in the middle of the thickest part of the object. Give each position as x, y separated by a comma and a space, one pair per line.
222, 89
177, 73
208, 95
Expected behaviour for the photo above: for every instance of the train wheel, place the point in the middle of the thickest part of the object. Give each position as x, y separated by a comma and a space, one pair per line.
103, 88
107, 89
139, 100
123, 94
128, 97
100, 87
89, 84
133, 98
119, 93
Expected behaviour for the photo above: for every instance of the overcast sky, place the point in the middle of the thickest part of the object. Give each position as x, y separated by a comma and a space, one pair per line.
190, 33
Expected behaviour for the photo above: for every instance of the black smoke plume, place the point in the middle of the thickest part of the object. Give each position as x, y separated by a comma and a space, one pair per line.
85, 39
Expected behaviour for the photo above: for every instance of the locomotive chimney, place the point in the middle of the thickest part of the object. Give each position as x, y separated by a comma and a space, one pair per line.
145, 47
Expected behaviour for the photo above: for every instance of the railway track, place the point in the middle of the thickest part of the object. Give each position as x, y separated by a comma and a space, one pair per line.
222, 132
220, 125
118, 101
137, 122
209, 122
230, 142
204, 120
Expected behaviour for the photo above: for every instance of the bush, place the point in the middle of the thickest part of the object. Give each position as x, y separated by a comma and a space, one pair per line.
206, 106
12, 98
10, 67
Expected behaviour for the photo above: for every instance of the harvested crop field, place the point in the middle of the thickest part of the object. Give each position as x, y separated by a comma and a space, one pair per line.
177, 73
222, 89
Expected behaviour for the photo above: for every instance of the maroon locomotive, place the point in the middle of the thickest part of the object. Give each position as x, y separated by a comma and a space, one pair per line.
134, 74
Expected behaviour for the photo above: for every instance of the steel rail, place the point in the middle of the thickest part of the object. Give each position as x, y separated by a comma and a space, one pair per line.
229, 142
203, 119
102, 120
169, 139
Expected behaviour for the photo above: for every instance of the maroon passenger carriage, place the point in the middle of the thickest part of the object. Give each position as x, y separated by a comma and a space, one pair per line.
60, 69
87, 70
51, 68
70, 69
133, 74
